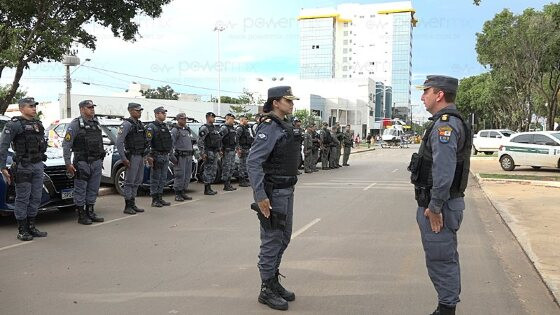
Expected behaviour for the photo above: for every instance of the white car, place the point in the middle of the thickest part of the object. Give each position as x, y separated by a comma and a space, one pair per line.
489, 140
535, 149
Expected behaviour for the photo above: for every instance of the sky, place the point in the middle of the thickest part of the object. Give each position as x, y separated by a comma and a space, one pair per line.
260, 40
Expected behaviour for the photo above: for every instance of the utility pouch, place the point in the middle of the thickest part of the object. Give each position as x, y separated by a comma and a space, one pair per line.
23, 176
422, 196
414, 167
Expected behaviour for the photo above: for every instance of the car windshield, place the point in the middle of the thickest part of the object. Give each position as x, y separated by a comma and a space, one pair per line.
507, 133
390, 132
114, 129
556, 135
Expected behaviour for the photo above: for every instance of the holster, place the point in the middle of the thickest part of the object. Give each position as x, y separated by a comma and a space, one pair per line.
276, 221
21, 176
80, 174
422, 196
414, 167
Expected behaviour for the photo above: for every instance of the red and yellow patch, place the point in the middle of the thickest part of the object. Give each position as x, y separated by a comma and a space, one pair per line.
444, 133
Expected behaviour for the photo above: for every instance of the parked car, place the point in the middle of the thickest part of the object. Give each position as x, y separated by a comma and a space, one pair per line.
57, 191
535, 149
113, 170
489, 140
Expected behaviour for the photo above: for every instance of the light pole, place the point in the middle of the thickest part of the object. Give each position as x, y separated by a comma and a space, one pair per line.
69, 61
219, 28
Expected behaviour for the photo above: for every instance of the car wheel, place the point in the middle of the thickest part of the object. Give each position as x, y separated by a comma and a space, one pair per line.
536, 167
475, 151
507, 163
488, 152
118, 180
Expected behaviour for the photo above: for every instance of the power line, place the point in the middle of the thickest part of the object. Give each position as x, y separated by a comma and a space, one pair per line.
161, 81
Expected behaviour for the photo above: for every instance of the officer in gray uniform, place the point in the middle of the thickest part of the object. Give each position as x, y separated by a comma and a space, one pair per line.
440, 173
229, 144
210, 144
316, 148
340, 138
308, 149
244, 141
333, 162
272, 165
27, 137
132, 146
347, 142
159, 138
84, 139
326, 142
181, 136
298, 133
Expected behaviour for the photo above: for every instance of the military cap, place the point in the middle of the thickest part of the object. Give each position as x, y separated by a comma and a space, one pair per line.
85, 103
325, 123
230, 115
210, 114
135, 106
181, 115
442, 82
160, 110
27, 101
276, 92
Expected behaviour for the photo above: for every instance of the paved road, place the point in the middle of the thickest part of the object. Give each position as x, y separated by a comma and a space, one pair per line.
356, 250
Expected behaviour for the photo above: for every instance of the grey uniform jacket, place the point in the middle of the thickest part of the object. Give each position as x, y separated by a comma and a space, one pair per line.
71, 133
121, 137
11, 129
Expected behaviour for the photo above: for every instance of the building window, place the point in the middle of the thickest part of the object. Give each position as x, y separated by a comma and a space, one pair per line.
345, 33
345, 42
344, 59
345, 50
345, 24
371, 63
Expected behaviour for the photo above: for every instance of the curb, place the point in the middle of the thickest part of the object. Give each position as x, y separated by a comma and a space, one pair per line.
528, 182
525, 246
366, 150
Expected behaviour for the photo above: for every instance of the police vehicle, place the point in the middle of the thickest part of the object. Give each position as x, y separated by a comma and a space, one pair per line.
57, 187
113, 171
535, 149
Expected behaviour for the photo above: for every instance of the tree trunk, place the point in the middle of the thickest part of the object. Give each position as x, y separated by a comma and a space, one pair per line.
13, 89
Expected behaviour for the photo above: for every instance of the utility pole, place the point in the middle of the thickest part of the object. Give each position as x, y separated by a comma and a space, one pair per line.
219, 29
69, 61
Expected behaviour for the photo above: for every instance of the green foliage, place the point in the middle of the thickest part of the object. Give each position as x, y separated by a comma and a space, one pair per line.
522, 52
34, 31
306, 117
162, 93
5, 90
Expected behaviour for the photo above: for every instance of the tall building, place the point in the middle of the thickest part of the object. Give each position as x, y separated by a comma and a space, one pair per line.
370, 41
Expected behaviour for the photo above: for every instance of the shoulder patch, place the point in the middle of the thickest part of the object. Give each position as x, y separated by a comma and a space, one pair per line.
262, 136
149, 133
444, 133
67, 137
268, 120
7, 130
121, 129
444, 117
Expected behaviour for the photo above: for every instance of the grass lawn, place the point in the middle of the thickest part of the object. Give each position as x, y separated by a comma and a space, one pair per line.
550, 178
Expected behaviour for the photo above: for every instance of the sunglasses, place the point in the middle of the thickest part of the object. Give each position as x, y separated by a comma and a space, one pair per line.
90, 107
138, 110
31, 105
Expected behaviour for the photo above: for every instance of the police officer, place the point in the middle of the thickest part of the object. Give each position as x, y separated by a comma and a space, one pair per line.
316, 147
229, 145
27, 137
132, 146
272, 165
210, 144
333, 162
181, 136
298, 133
440, 173
84, 139
326, 142
347, 142
308, 149
159, 139
340, 138
245, 139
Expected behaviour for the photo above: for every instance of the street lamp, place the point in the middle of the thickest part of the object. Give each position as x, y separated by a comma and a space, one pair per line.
69, 61
219, 28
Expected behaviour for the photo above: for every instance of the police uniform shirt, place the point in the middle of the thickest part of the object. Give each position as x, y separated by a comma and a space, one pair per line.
71, 133
181, 138
242, 131
203, 132
124, 129
11, 130
224, 132
151, 129
446, 140
268, 134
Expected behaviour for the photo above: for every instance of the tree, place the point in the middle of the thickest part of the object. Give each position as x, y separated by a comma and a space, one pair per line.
35, 31
162, 93
4, 90
306, 117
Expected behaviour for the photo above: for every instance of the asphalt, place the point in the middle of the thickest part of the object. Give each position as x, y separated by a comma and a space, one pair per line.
355, 250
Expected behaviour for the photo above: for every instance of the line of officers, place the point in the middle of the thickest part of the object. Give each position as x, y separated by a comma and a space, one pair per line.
154, 144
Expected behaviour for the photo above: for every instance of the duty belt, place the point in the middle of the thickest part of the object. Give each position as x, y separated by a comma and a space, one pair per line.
183, 152
160, 152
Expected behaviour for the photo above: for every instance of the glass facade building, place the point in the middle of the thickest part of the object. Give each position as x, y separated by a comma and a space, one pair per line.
317, 48
402, 59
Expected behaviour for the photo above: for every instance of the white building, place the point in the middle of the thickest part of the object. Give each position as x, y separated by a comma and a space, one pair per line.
366, 41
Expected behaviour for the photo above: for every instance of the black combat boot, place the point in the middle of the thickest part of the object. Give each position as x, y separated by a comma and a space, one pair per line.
134, 207
92, 215
179, 196
155, 201
185, 196
228, 187
270, 297
128, 209
82, 215
208, 190
285, 294
444, 310
244, 183
163, 202
33, 230
23, 232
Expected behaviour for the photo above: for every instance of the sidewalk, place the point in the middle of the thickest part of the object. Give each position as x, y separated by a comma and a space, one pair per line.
532, 213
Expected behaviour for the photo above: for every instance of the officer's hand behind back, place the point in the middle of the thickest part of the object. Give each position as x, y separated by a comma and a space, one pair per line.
7, 177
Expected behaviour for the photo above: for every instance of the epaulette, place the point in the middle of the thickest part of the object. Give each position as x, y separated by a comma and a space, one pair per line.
267, 120
444, 117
